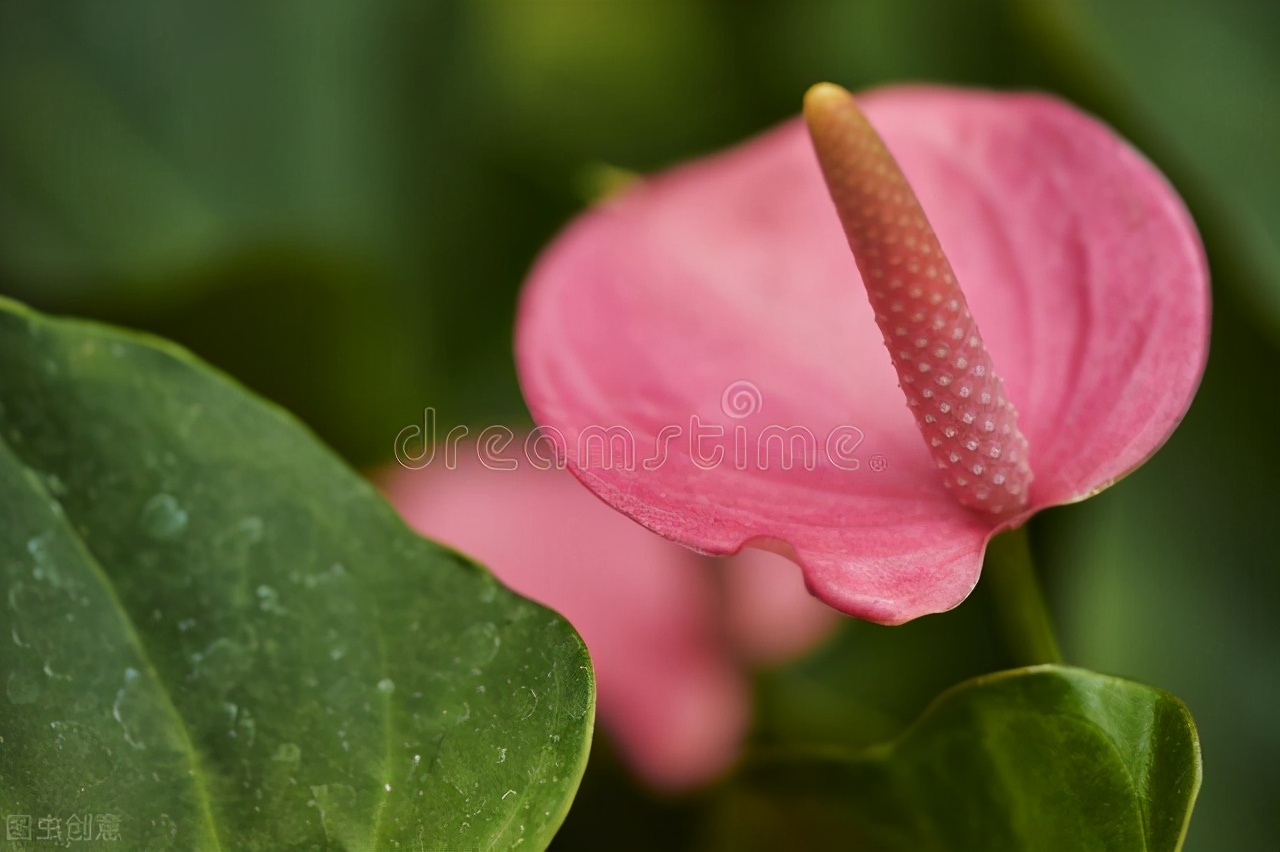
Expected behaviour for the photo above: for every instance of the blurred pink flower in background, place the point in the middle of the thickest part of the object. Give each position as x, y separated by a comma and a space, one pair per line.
1077, 260
672, 634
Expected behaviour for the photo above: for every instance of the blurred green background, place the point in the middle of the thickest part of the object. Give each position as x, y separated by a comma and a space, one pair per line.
336, 201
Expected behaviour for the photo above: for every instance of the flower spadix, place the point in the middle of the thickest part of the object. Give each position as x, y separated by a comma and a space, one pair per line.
714, 321
951, 385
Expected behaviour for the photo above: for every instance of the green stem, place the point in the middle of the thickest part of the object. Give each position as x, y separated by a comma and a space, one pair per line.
1011, 579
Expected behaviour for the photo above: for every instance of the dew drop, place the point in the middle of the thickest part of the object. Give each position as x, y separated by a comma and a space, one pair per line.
269, 600
163, 518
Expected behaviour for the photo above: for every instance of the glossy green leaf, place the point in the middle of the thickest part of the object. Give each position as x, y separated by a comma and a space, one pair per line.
1046, 758
222, 636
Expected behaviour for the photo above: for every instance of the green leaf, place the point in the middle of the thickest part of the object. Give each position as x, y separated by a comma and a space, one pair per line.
224, 637
1045, 758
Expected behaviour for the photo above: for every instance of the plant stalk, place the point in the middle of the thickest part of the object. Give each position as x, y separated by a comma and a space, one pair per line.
1020, 605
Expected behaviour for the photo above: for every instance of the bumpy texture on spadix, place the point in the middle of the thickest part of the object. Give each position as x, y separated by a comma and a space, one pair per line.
951, 385
712, 321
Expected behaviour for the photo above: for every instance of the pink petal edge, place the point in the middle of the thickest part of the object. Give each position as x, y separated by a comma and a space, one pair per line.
1079, 262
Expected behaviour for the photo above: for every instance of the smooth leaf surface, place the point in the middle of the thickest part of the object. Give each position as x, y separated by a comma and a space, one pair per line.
220, 634
1047, 758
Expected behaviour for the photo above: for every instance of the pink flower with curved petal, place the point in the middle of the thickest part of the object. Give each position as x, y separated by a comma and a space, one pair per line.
714, 316
670, 637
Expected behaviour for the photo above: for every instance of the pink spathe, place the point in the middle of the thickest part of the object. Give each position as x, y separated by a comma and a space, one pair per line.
650, 312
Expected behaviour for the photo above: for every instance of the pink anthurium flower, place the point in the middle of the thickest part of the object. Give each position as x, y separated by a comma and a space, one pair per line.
671, 637
712, 322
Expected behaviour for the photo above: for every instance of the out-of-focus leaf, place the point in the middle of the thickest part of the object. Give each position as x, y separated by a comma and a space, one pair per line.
309, 333
225, 638
1196, 83
1032, 759
634, 84
246, 180
145, 139
874, 42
